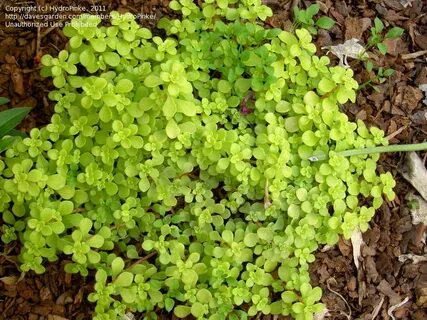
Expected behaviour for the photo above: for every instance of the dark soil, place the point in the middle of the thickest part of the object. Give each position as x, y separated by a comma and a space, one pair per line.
349, 293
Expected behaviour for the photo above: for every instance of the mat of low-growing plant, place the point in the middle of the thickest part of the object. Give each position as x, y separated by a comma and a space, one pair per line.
177, 169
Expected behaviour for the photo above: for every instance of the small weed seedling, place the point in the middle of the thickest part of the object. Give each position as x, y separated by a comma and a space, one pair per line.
377, 36
380, 76
304, 19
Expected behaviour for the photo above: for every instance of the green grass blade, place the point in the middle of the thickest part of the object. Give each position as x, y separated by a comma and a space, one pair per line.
10, 118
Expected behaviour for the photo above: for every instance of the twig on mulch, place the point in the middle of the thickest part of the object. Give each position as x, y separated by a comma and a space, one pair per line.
392, 308
413, 55
395, 133
38, 42
339, 295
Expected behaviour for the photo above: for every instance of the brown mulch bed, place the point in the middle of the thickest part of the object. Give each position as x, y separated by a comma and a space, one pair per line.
349, 293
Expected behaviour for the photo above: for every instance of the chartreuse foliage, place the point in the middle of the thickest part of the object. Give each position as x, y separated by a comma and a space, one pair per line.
178, 169
9, 119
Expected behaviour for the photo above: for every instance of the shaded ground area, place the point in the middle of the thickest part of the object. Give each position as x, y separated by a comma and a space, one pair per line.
381, 281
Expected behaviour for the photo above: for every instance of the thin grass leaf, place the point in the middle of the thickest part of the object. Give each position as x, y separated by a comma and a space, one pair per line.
3, 100
10, 118
17, 133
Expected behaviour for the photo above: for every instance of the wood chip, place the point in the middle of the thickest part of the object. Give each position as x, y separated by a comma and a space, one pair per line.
421, 41
10, 280
18, 80
385, 288
344, 247
422, 76
419, 117
55, 317
421, 294
372, 274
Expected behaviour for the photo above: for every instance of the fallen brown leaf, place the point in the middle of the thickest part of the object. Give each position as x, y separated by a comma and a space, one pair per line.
415, 173
355, 27
407, 97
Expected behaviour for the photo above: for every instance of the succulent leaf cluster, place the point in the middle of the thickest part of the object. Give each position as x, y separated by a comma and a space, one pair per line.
178, 168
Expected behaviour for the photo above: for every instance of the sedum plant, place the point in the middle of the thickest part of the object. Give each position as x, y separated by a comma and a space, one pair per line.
179, 169
9, 119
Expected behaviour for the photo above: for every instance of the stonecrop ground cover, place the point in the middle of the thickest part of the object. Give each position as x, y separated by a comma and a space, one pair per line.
178, 168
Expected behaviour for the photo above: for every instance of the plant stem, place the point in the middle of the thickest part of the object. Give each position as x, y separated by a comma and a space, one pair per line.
381, 149
364, 84
365, 50
152, 254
